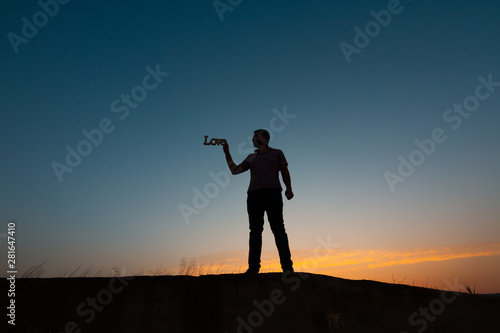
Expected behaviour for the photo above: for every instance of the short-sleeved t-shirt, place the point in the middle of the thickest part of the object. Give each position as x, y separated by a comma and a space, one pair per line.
264, 168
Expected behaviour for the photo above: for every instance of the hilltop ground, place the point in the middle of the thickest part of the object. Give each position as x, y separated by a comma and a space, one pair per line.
270, 302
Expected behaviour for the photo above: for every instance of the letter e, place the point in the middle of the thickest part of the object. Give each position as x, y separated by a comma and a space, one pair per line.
393, 6
276, 295
439, 136
106, 125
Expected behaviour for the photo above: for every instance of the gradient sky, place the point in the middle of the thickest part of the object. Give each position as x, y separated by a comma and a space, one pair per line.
348, 125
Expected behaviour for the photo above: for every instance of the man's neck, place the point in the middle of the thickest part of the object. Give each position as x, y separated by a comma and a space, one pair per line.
262, 149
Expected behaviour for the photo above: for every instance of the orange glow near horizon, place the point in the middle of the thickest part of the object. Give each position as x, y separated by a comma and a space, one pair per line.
475, 265
381, 264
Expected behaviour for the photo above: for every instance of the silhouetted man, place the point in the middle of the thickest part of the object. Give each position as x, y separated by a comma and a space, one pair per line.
264, 195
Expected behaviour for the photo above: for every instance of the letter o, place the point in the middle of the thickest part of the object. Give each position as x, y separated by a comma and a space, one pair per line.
215, 190
142, 96
413, 160
81, 144
274, 128
440, 308
467, 103
445, 299
109, 297
260, 319
213, 142
45, 19
375, 25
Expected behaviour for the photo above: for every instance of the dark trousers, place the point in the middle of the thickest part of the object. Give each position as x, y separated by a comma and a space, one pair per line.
267, 200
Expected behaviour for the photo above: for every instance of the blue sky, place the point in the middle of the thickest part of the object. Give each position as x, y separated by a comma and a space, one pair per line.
120, 206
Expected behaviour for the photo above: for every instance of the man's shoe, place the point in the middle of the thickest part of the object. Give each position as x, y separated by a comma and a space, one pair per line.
252, 270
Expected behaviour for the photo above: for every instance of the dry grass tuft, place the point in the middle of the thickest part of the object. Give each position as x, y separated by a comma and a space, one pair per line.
35, 271
470, 290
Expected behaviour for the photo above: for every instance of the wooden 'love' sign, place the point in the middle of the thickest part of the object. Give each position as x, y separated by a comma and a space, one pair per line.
214, 142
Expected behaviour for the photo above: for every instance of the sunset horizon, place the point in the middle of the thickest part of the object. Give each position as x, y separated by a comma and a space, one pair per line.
415, 267
357, 140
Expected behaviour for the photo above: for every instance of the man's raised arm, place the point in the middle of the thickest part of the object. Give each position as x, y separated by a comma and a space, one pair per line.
235, 169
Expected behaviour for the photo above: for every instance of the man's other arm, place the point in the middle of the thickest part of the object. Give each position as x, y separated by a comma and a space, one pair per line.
285, 174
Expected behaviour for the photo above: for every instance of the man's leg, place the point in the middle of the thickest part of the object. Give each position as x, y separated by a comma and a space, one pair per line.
274, 208
255, 208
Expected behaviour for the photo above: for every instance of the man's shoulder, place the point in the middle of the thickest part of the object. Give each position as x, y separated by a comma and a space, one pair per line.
272, 151
250, 157
277, 151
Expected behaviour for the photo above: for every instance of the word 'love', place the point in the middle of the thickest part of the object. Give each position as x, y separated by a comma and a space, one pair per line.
214, 142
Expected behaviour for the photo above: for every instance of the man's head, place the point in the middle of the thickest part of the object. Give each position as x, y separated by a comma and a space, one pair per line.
260, 138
